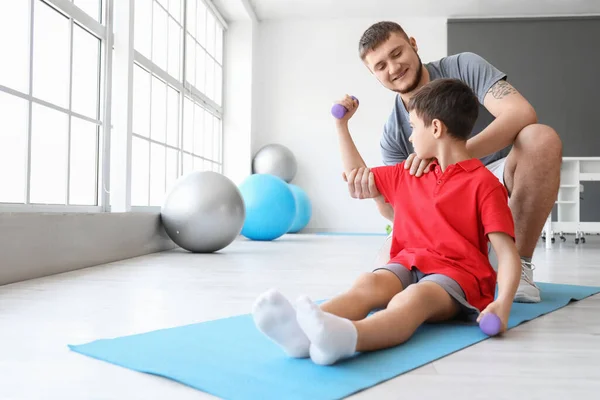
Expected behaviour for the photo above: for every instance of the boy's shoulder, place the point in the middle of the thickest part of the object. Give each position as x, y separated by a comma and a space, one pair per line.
486, 181
480, 178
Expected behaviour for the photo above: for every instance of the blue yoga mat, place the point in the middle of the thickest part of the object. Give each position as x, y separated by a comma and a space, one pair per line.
230, 359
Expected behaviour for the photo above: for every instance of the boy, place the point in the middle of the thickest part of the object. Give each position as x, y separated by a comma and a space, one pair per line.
439, 268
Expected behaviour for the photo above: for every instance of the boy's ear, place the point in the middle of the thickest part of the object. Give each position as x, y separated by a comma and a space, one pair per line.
438, 126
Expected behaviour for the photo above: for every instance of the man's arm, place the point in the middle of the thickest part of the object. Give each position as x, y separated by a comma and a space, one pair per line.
513, 113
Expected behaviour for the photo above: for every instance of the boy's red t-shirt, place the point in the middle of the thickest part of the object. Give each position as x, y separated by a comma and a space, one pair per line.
441, 222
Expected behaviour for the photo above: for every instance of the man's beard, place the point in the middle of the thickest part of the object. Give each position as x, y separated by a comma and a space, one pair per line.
415, 83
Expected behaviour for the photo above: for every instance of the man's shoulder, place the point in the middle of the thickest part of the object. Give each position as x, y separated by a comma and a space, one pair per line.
456, 58
451, 65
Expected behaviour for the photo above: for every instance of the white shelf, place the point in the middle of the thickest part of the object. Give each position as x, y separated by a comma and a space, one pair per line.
589, 176
585, 159
573, 171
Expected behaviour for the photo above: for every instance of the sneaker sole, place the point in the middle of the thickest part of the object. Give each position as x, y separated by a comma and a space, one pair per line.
525, 299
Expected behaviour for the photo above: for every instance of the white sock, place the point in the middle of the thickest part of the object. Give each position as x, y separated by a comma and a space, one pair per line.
331, 338
275, 316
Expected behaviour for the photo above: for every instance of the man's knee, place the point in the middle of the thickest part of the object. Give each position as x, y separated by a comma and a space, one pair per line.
540, 140
383, 254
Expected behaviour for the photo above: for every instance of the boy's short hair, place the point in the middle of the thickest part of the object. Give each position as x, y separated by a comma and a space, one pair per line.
449, 100
376, 35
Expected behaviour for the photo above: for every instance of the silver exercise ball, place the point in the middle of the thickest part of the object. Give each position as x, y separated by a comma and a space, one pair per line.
204, 212
275, 159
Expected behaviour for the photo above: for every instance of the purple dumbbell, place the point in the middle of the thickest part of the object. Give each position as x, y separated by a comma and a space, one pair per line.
338, 110
490, 324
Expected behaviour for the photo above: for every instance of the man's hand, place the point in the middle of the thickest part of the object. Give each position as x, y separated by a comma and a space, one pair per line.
501, 309
417, 166
351, 105
361, 184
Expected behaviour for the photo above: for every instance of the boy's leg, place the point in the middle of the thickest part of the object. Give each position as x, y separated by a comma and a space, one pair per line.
425, 301
372, 290
333, 338
275, 317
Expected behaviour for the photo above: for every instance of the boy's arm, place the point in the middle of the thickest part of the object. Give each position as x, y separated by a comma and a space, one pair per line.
361, 183
509, 266
509, 274
499, 227
351, 158
365, 186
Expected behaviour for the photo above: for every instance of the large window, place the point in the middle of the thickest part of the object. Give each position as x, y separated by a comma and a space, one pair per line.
176, 121
50, 80
56, 92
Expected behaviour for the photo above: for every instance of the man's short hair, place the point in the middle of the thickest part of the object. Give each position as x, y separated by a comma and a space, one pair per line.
376, 35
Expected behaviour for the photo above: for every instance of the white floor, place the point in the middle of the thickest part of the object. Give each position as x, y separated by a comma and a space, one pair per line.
553, 357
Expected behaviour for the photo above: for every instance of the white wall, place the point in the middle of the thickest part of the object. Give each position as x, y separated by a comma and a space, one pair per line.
238, 104
301, 68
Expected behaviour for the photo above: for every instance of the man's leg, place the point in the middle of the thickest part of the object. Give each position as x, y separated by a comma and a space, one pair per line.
532, 178
333, 338
383, 254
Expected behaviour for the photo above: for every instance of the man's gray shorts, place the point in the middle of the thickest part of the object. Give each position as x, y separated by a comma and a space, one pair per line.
408, 277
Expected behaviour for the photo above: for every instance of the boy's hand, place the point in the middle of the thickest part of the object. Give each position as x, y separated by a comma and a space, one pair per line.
417, 166
351, 105
501, 309
361, 184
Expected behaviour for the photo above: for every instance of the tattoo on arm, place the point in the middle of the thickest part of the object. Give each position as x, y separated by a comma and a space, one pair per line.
501, 89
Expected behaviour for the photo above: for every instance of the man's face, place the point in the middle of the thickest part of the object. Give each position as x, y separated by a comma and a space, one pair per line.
396, 64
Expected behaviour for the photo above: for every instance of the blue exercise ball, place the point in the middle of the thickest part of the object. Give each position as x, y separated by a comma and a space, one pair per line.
270, 207
303, 209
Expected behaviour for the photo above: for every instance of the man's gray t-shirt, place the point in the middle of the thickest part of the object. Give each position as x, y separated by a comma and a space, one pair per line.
472, 69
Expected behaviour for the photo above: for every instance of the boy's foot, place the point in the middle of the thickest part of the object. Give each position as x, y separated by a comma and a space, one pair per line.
331, 338
527, 292
275, 316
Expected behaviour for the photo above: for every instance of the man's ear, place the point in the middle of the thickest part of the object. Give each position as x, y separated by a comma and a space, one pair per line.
413, 43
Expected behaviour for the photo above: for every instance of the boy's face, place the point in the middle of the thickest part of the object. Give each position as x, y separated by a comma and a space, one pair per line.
422, 137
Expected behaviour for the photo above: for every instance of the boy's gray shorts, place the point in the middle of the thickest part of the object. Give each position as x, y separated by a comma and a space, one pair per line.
408, 277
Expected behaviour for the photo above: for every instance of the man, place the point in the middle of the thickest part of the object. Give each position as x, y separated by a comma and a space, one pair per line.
524, 155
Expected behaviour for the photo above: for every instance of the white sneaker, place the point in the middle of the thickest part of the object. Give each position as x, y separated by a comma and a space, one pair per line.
527, 292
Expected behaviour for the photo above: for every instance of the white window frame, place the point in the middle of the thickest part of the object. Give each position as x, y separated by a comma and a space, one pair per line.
118, 56
87, 22
185, 89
